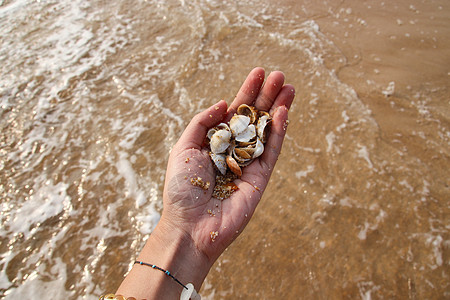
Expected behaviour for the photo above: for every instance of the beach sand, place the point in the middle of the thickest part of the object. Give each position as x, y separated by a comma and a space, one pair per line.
94, 96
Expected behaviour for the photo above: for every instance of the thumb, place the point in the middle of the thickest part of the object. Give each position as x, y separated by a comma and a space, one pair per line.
195, 132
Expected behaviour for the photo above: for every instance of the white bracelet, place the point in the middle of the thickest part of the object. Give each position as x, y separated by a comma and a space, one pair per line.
190, 293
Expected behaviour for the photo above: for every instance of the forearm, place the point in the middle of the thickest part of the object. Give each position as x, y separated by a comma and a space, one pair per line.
195, 227
174, 251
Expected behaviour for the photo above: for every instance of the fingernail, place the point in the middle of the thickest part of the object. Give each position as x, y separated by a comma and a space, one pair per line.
282, 107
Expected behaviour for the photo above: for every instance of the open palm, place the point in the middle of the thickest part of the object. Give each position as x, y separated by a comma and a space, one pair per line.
213, 224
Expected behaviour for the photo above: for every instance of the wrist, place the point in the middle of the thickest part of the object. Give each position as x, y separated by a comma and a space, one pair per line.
173, 250
179, 252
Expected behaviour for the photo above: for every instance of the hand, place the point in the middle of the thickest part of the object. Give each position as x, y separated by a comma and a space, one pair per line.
195, 228
192, 209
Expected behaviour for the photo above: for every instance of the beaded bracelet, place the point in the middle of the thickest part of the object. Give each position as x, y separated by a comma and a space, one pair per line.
188, 292
162, 270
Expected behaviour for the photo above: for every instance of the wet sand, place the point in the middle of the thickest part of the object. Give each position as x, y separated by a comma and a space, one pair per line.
333, 234
357, 206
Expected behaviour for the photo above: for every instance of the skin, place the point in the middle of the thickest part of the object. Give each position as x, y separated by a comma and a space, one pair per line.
182, 241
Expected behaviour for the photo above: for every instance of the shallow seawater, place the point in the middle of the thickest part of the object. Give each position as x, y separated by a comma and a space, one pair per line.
94, 95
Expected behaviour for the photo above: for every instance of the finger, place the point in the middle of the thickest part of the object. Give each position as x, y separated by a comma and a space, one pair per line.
255, 177
272, 148
284, 98
248, 92
194, 134
270, 91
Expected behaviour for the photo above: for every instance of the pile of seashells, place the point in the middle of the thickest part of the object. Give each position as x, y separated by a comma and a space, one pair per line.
237, 144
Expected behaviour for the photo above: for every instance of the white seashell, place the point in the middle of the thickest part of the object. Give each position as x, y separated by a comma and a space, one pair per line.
236, 145
246, 135
220, 141
223, 126
259, 148
220, 162
215, 129
262, 127
238, 124
211, 132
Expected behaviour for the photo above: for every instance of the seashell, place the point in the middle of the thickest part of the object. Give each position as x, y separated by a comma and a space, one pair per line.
211, 132
248, 134
236, 144
223, 126
220, 141
259, 148
263, 127
242, 158
234, 166
262, 113
215, 129
237, 157
244, 153
245, 163
246, 144
238, 124
219, 161
249, 149
249, 111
